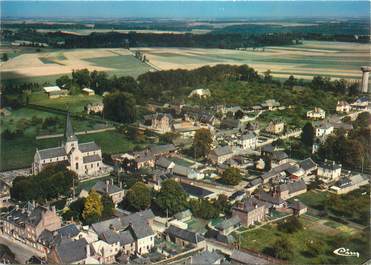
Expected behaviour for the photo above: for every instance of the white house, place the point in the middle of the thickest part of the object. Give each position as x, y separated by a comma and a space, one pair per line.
324, 130
317, 113
343, 107
248, 141
329, 171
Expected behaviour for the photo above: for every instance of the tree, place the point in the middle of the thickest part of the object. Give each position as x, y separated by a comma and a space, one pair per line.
5, 57
171, 198
202, 142
238, 114
139, 196
204, 209
93, 208
64, 81
307, 135
315, 248
108, 207
282, 249
81, 77
231, 176
120, 107
363, 120
290, 225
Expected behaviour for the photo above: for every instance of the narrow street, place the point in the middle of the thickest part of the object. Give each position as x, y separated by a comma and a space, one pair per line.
22, 253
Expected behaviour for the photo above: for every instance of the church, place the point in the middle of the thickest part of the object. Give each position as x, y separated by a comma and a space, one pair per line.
85, 159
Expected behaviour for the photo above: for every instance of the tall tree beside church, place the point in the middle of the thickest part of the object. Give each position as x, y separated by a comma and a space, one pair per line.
120, 107
93, 208
202, 142
139, 196
307, 135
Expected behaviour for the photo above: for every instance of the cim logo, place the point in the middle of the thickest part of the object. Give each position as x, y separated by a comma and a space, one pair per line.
346, 252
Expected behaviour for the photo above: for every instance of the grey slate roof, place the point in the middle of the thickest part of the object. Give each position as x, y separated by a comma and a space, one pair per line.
163, 162
88, 147
247, 258
250, 204
70, 251
233, 221
69, 135
70, 230
268, 148
297, 186
267, 197
206, 257
181, 170
103, 226
110, 236
126, 237
185, 235
91, 159
196, 191
52, 152
222, 150
161, 149
100, 187
279, 155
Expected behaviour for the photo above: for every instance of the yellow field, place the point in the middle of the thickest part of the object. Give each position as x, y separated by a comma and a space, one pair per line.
335, 59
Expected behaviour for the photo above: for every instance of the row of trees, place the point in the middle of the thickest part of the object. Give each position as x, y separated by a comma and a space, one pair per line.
52, 182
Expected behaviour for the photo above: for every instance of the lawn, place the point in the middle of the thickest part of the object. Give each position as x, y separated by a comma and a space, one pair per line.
75, 103
262, 239
314, 199
19, 152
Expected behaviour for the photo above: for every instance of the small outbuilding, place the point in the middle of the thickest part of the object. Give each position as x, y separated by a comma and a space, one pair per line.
88, 91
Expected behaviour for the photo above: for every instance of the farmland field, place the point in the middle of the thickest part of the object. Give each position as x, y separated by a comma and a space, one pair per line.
53, 63
331, 236
334, 59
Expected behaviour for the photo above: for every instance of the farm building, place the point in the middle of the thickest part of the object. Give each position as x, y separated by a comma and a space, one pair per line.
88, 92
55, 91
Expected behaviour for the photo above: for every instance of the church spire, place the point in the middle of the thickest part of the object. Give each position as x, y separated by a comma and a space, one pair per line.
69, 135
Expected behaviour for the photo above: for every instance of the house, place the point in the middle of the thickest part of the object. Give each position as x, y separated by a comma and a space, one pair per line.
267, 150
108, 188
317, 114
48, 238
197, 192
85, 159
237, 196
94, 108
184, 237
186, 172
206, 257
308, 165
70, 251
324, 129
4, 194
162, 150
343, 107
27, 223
104, 252
164, 163
55, 92
271, 198
220, 154
360, 104
270, 104
298, 208
160, 122
138, 224
278, 158
329, 171
202, 93
275, 127
184, 216
228, 226
229, 123
292, 189
88, 91
248, 140
349, 183
250, 211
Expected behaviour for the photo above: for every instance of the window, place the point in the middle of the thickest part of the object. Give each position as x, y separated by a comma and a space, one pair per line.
77, 165
91, 165
97, 164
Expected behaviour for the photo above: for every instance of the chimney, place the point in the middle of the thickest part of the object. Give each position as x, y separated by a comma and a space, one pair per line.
33, 204
120, 183
107, 184
87, 250
111, 181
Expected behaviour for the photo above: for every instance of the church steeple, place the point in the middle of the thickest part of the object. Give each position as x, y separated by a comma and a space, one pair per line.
69, 135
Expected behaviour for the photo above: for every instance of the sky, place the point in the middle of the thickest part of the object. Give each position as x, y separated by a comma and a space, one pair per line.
184, 9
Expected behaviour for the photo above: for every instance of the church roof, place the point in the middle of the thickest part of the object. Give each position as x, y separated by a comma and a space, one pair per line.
88, 147
52, 152
69, 135
91, 159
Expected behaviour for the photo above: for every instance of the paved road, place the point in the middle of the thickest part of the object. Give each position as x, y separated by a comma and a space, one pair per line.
22, 253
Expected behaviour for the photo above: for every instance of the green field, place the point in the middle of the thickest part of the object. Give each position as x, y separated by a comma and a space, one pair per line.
123, 65
19, 152
74, 103
262, 239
